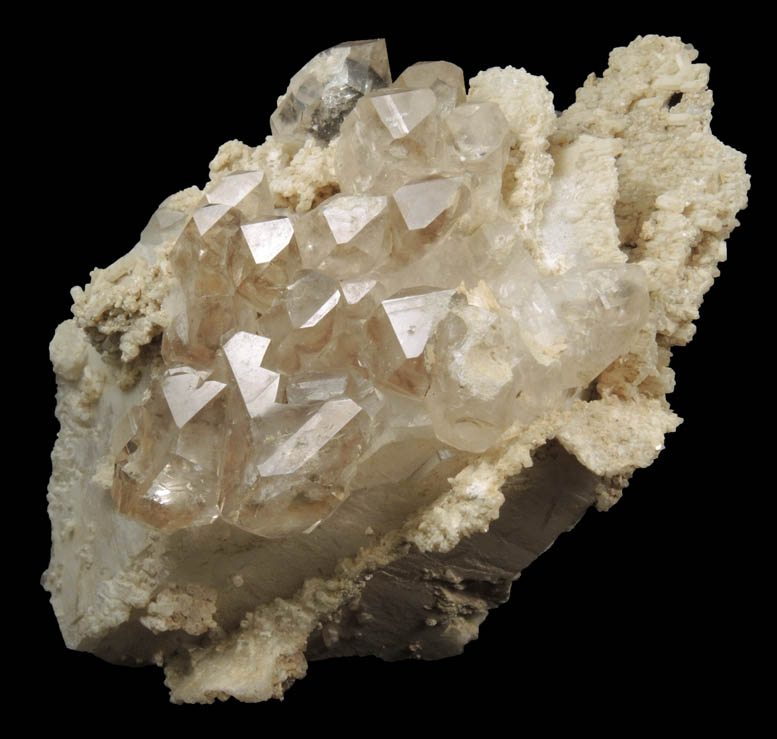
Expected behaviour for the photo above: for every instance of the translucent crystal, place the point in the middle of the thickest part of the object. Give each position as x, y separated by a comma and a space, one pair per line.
258, 386
187, 392
292, 467
444, 79
315, 386
326, 89
262, 270
392, 137
164, 225
413, 315
603, 309
396, 336
423, 202
306, 441
402, 442
268, 238
479, 132
310, 297
345, 236
401, 112
477, 363
201, 257
381, 338
355, 290
480, 141
248, 192
168, 452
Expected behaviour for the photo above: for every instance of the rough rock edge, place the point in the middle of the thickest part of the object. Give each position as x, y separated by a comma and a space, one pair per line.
108, 574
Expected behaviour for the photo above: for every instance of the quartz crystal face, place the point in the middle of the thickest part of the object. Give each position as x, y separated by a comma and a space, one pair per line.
338, 397
381, 338
326, 89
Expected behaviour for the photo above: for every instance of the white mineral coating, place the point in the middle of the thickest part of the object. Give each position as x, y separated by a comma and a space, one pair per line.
388, 355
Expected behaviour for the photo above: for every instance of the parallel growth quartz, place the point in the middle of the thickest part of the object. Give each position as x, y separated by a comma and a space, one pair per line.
383, 337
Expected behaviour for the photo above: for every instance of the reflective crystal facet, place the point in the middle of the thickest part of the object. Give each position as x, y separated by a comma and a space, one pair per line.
391, 137
268, 238
401, 112
187, 392
258, 386
413, 316
345, 236
380, 339
421, 203
326, 89
248, 192
309, 438
479, 133
311, 297
444, 79
163, 226
313, 386
168, 453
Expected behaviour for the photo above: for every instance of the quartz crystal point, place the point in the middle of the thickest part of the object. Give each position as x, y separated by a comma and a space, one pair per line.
166, 462
387, 370
325, 90
444, 79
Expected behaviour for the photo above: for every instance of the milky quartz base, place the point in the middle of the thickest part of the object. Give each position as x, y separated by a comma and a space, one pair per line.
233, 603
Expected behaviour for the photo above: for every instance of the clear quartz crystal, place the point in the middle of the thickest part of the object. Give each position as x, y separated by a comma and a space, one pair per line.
444, 79
326, 89
248, 192
382, 338
163, 226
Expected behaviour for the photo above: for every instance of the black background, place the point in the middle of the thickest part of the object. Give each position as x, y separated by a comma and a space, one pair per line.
646, 606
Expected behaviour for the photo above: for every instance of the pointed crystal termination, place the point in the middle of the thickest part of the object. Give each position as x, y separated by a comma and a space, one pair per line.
444, 79
310, 298
248, 192
400, 111
187, 392
267, 238
479, 133
168, 453
309, 438
164, 225
413, 315
346, 236
292, 467
391, 137
474, 383
397, 335
258, 386
262, 270
327, 88
421, 203
201, 255
380, 338
349, 215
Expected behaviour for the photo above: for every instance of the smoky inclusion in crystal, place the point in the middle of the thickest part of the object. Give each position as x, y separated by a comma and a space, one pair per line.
383, 338
326, 89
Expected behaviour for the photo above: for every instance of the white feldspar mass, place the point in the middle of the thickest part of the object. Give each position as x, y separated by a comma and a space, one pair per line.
384, 357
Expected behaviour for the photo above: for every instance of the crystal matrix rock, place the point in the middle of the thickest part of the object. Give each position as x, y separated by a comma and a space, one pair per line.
384, 358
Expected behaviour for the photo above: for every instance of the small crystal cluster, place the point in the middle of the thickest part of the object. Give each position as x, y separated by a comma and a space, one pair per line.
382, 338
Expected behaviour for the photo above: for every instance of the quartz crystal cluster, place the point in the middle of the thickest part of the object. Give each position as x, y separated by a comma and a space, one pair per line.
399, 326
334, 402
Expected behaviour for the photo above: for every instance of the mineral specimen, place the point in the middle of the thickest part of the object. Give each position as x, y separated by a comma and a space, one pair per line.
413, 317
